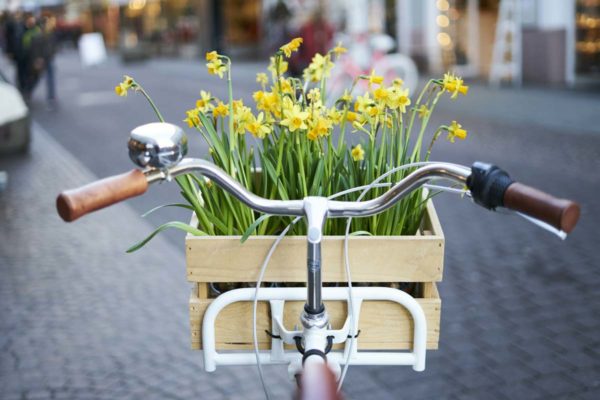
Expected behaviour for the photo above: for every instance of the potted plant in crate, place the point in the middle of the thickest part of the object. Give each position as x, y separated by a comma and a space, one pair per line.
298, 142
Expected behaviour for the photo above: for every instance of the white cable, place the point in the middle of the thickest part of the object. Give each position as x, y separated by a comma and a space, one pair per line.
347, 265
561, 234
255, 301
448, 189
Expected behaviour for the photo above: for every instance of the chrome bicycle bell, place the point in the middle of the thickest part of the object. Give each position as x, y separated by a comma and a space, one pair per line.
158, 145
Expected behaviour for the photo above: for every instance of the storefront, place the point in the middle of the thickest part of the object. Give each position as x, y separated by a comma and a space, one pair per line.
171, 27
553, 41
587, 36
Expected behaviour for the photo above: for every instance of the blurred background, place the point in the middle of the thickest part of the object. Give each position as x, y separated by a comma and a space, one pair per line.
80, 319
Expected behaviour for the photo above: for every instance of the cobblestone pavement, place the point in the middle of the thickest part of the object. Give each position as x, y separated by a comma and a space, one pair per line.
80, 319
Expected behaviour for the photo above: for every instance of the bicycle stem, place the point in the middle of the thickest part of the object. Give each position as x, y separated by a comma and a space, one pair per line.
316, 213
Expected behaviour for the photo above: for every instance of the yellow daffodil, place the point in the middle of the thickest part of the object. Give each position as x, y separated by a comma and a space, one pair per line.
257, 126
192, 118
454, 85
312, 134
335, 116
358, 154
319, 67
403, 100
212, 56
286, 85
339, 49
262, 78
258, 96
374, 79
423, 111
266, 101
448, 82
242, 117
351, 116
381, 94
216, 67
295, 118
398, 98
292, 46
322, 127
346, 97
221, 110
397, 83
367, 106
122, 88
314, 95
238, 104
203, 104
275, 69
455, 131
362, 102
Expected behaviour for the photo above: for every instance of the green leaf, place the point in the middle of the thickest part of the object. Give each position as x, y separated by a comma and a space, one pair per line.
144, 215
214, 138
317, 177
253, 227
173, 224
217, 222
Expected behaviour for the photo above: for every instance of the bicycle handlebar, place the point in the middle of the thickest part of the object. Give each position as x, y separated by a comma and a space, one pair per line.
73, 204
336, 209
490, 186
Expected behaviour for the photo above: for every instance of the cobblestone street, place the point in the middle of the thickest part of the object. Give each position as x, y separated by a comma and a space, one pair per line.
81, 319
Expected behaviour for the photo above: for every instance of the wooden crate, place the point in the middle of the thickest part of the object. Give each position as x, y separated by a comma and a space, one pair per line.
383, 325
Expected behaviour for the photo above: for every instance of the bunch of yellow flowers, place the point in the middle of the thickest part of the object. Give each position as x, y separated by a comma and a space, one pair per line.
305, 143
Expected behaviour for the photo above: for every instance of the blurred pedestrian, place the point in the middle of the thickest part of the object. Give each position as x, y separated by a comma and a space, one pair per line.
279, 18
14, 29
32, 56
44, 49
317, 33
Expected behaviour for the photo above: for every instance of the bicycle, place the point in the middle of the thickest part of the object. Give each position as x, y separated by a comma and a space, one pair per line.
160, 148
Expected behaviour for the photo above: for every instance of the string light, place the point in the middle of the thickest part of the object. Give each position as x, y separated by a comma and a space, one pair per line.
442, 21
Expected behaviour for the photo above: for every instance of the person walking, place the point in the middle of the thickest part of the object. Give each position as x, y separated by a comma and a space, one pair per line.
45, 48
14, 30
31, 58
317, 33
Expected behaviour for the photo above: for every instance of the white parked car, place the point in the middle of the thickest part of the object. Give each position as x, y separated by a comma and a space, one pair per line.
15, 119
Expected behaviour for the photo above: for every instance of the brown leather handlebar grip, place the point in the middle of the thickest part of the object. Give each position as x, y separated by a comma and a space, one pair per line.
74, 203
560, 213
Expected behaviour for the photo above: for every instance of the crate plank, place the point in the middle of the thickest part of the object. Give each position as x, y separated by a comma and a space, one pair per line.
417, 258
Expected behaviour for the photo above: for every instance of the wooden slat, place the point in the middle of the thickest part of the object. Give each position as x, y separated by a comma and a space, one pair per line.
373, 259
383, 324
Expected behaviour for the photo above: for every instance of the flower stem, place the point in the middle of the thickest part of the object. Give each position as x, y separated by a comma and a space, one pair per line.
156, 111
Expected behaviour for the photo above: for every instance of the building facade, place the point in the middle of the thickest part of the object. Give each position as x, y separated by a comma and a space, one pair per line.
560, 39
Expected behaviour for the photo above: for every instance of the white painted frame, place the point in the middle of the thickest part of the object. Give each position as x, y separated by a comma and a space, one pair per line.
314, 338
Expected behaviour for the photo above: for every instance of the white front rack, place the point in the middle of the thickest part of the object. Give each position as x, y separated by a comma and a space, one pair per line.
277, 355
